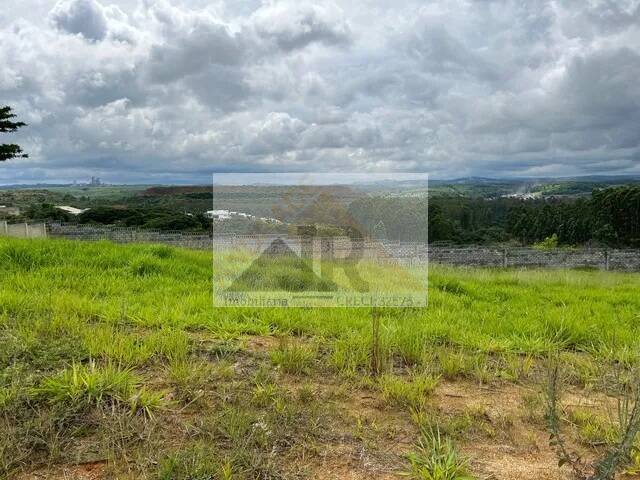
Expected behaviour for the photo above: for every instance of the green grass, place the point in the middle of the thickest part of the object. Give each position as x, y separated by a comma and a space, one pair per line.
98, 341
199, 462
90, 384
293, 358
412, 392
435, 458
190, 378
86, 385
593, 427
531, 311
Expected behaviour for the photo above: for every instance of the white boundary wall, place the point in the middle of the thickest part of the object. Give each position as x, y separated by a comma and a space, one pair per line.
408, 253
23, 230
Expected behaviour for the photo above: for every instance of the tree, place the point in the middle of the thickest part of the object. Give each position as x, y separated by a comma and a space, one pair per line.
9, 151
548, 243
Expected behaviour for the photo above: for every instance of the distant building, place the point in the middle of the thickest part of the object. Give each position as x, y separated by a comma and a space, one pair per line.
523, 196
218, 214
226, 214
95, 182
9, 211
71, 210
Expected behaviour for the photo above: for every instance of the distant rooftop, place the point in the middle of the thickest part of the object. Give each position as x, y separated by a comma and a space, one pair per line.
71, 210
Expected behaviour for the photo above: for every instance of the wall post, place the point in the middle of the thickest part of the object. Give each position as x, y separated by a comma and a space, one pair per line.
606, 260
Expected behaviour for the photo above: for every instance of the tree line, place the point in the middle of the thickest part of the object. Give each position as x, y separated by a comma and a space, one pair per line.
609, 217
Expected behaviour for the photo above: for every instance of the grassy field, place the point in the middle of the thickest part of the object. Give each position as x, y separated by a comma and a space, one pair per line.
114, 364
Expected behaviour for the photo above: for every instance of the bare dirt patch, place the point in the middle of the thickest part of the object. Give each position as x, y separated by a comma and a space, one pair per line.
84, 471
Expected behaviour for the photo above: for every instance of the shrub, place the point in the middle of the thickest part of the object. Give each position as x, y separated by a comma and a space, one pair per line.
88, 385
549, 243
435, 458
621, 443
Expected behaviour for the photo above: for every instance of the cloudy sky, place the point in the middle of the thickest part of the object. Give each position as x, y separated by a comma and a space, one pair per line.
172, 90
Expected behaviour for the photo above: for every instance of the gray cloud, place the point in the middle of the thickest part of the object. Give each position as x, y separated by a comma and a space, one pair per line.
142, 90
192, 51
85, 17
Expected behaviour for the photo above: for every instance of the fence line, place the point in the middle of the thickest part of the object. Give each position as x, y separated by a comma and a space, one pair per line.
23, 230
408, 253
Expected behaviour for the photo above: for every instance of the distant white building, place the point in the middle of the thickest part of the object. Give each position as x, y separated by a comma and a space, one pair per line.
71, 210
523, 196
218, 214
226, 214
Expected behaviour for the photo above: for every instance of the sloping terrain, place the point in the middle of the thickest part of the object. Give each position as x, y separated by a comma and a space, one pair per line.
114, 364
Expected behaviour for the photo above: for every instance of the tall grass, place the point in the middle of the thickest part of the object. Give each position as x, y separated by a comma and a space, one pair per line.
100, 330
293, 358
412, 392
435, 458
520, 311
86, 385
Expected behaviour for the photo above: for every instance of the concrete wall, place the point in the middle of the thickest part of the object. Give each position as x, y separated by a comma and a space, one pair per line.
403, 252
23, 230
130, 235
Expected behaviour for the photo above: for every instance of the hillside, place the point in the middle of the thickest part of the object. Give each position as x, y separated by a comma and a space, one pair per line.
114, 364
469, 212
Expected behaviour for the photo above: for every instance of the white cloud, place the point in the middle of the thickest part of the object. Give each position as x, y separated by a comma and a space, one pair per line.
142, 89
295, 24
